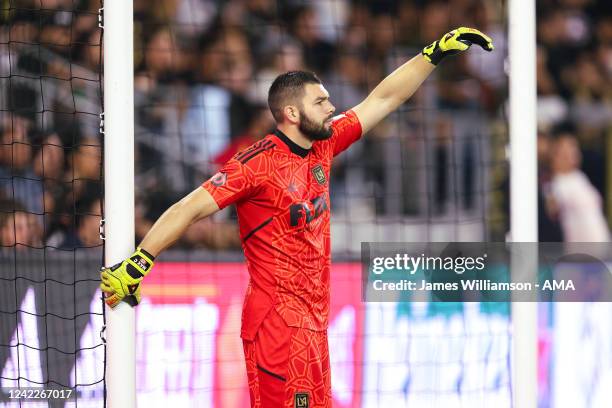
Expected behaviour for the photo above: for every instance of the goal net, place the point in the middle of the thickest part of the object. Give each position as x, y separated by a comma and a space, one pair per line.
51, 314
433, 171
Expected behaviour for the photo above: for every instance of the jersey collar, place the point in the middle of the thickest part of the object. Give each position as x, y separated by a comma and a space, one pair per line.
294, 147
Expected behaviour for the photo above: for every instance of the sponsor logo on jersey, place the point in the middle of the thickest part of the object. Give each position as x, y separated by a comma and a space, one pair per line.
218, 179
302, 400
319, 174
309, 210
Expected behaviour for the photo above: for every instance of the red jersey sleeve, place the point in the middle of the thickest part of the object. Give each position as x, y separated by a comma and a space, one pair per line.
347, 130
233, 182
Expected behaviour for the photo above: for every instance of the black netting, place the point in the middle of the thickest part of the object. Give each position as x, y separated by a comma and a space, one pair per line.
432, 171
51, 314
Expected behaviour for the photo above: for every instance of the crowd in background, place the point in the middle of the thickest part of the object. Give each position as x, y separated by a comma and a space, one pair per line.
202, 71
574, 70
50, 146
204, 68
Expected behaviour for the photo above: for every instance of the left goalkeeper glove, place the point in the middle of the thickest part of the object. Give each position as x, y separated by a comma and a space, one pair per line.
133, 300
454, 42
122, 281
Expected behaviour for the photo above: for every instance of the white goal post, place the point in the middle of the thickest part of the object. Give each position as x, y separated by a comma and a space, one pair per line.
523, 192
119, 193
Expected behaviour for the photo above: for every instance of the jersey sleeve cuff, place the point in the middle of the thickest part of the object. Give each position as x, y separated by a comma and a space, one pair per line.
220, 203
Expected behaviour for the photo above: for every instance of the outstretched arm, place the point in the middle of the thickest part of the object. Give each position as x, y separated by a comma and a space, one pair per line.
402, 83
392, 91
175, 220
122, 281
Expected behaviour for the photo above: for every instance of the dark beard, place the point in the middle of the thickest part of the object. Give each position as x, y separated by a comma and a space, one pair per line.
313, 130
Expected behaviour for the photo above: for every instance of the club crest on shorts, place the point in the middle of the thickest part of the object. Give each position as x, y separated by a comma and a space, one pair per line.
302, 400
218, 179
319, 174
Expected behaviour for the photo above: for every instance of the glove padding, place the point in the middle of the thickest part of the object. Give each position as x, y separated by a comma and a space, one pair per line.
454, 42
133, 300
122, 281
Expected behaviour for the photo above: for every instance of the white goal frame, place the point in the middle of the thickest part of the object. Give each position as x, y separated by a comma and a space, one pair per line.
118, 65
119, 190
523, 193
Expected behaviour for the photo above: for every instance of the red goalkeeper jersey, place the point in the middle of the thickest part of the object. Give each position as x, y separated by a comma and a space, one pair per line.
281, 192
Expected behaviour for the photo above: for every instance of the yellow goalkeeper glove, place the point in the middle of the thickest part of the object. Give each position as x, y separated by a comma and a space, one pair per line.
113, 299
454, 42
122, 281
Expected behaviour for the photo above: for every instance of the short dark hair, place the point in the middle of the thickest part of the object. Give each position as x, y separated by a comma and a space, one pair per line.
286, 88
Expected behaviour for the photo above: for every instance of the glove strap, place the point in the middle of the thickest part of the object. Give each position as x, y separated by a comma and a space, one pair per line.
433, 53
141, 262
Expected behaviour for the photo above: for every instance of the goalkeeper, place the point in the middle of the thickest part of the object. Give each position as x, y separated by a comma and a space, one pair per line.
280, 186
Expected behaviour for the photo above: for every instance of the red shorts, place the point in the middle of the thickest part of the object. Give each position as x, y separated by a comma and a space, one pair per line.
288, 366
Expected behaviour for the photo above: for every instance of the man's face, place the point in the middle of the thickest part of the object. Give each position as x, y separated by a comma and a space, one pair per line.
316, 113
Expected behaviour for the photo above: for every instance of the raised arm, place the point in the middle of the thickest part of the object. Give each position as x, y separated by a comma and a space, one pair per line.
402, 83
392, 91
122, 281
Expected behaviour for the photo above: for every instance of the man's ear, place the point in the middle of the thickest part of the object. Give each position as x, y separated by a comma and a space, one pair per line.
292, 114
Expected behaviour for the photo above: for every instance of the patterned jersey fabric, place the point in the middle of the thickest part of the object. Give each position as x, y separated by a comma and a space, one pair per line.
281, 192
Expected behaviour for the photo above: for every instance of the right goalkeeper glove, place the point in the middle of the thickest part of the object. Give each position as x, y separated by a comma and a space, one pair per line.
122, 281
454, 42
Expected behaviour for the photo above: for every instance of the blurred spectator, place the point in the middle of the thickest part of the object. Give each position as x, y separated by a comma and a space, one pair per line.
49, 165
304, 26
203, 69
84, 166
579, 203
380, 42
80, 184
434, 20
591, 89
356, 27
552, 108
162, 60
332, 17
215, 114
17, 177
18, 227
238, 72
279, 55
190, 17
258, 17
48, 161
346, 83
86, 231
549, 227
260, 124
488, 67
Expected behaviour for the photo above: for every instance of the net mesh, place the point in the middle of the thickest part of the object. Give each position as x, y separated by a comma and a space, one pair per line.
436, 170
51, 314
432, 171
